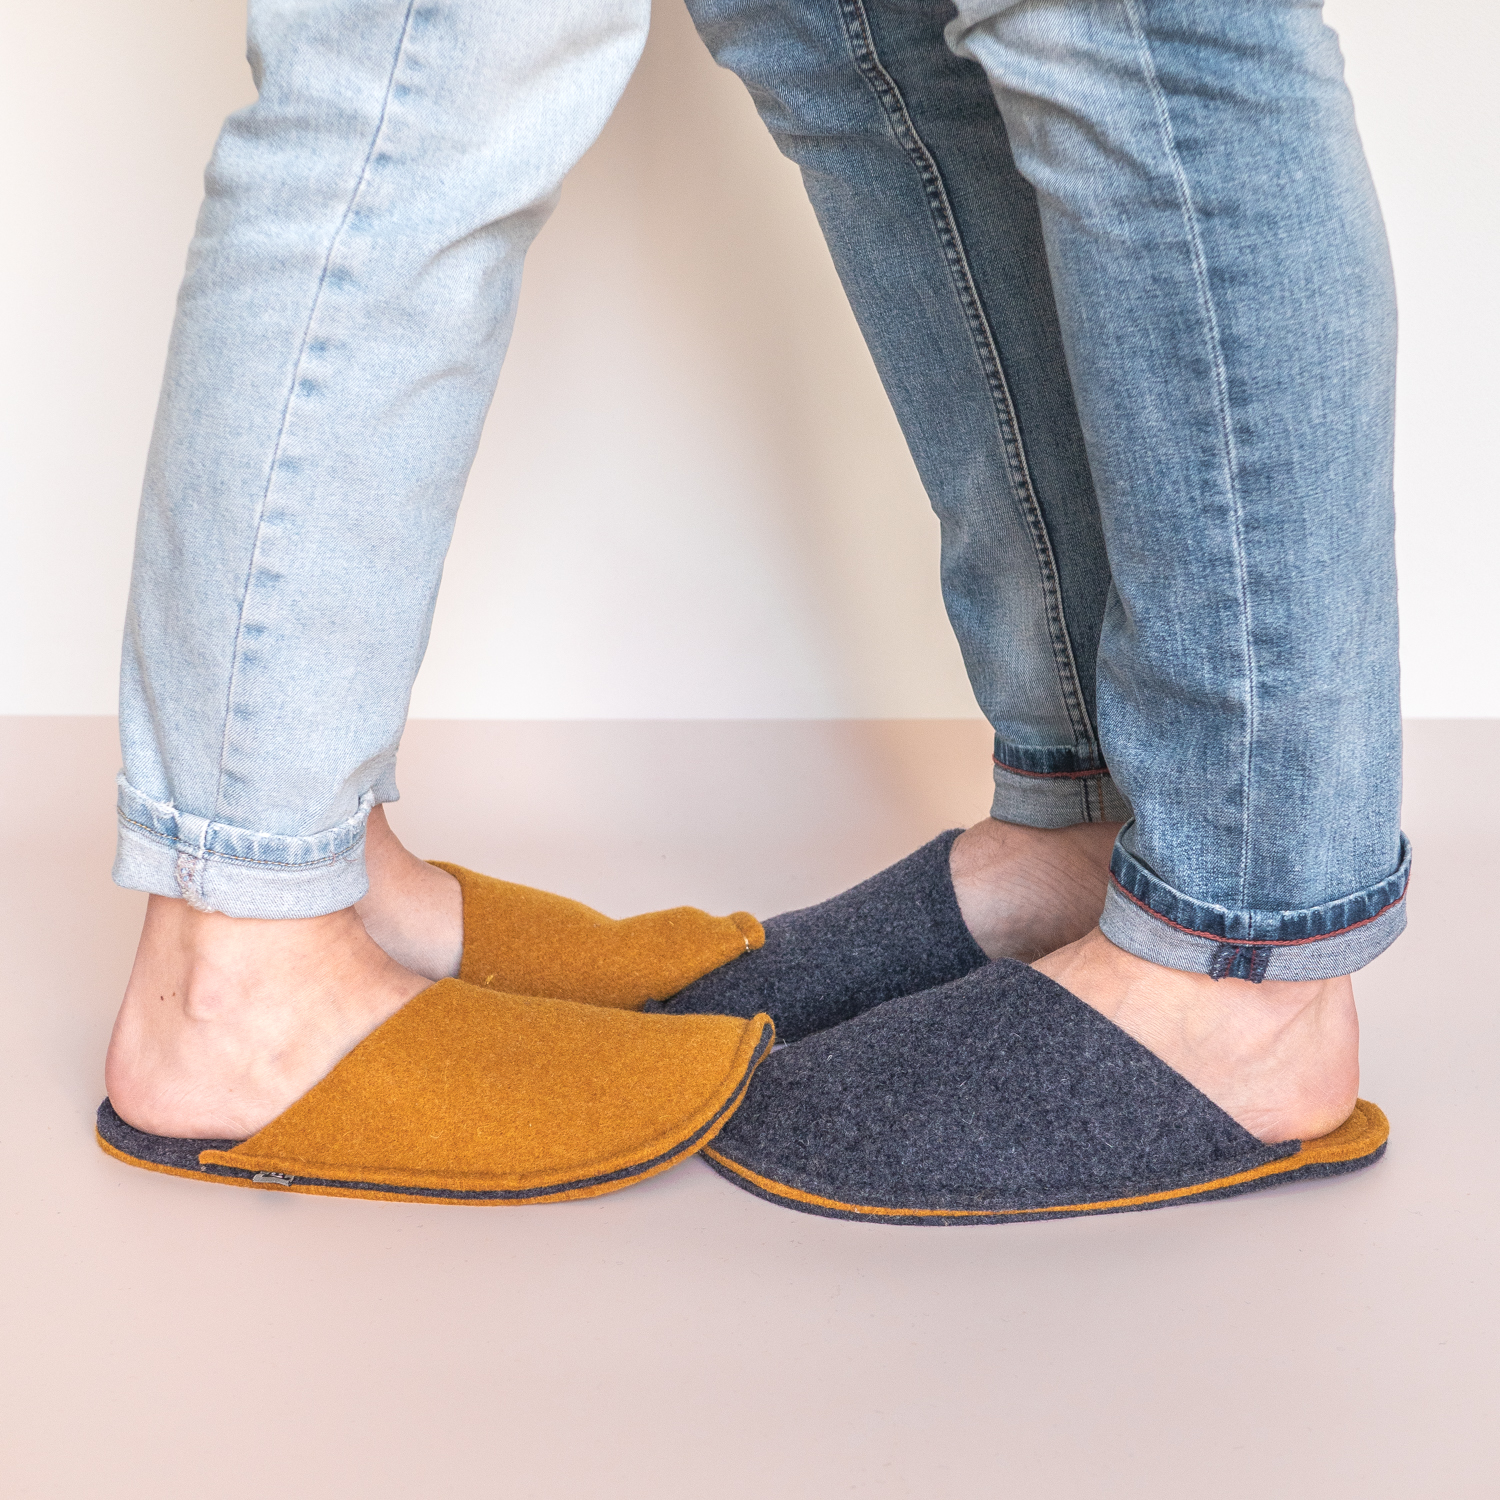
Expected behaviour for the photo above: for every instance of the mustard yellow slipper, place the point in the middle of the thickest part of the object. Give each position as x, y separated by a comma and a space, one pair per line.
528, 942
468, 1096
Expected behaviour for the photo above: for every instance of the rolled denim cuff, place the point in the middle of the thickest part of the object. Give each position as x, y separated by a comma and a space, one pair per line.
215, 867
1145, 916
1047, 788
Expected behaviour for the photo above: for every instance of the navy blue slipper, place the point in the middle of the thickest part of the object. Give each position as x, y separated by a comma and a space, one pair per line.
895, 934
996, 1099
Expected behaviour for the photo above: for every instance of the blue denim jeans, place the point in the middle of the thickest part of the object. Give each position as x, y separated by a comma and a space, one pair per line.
1123, 274
350, 292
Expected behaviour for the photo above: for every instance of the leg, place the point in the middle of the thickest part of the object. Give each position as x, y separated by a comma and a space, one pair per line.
938, 241
349, 296
1224, 306
1227, 312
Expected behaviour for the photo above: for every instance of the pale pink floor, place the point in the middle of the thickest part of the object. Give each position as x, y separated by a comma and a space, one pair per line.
162, 1338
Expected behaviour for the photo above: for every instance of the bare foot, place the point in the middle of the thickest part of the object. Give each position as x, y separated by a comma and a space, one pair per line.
413, 910
1281, 1057
1025, 891
226, 1021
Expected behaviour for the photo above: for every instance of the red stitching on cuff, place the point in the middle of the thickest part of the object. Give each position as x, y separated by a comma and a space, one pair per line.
1052, 775
1209, 937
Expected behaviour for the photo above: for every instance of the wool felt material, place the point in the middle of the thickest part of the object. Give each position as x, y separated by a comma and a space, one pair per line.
469, 1096
997, 1099
529, 942
895, 934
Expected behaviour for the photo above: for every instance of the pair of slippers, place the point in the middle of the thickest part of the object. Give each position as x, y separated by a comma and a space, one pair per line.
927, 1085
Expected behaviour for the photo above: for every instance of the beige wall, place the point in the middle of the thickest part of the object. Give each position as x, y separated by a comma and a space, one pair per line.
691, 500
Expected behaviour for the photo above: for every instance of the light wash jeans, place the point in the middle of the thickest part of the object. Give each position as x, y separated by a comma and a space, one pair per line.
1137, 324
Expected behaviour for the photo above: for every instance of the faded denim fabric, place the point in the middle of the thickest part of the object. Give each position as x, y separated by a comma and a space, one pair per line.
938, 241
349, 296
1228, 313
1122, 272
1139, 327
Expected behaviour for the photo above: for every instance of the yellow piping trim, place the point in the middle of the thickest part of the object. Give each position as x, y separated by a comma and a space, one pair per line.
1360, 1135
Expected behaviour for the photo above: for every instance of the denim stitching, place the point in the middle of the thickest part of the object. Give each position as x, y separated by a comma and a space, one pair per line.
1221, 391
867, 59
1240, 961
1097, 775
333, 245
241, 859
1213, 937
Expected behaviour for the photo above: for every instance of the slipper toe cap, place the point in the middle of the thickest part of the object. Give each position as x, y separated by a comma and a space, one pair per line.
524, 941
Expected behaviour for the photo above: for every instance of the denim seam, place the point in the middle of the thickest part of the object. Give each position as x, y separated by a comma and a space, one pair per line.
1211, 937
271, 864
286, 413
1229, 958
868, 61
1102, 772
1226, 425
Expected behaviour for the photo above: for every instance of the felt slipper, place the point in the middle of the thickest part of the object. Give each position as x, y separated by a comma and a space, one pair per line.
998, 1099
529, 942
895, 934
467, 1096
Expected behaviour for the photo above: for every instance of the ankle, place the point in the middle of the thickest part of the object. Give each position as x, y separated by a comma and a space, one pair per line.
413, 910
207, 965
226, 1021
1025, 891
